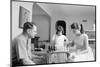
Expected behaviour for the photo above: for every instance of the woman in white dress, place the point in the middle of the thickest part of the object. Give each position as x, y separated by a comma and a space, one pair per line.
59, 41
82, 50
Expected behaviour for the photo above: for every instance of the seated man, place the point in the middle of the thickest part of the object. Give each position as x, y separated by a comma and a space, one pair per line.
20, 47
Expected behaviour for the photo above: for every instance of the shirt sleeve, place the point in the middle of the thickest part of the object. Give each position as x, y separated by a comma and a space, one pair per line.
21, 49
23, 52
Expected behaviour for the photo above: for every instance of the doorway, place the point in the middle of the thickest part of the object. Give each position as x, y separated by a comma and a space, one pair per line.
63, 24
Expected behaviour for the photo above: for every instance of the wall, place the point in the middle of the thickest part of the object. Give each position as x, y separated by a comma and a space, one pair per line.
54, 17
58, 12
42, 22
69, 20
15, 16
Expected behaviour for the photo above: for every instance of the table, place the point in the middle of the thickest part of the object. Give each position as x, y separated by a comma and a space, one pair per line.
42, 53
55, 54
48, 54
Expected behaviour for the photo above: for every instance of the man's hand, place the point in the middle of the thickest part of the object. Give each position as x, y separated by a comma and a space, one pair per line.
41, 56
38, 57
27, 61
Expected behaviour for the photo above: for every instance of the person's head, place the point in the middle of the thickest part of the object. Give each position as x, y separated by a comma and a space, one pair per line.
30, 29
77, 28
60, 30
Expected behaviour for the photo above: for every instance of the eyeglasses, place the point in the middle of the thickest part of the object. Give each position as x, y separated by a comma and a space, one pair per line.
33, 31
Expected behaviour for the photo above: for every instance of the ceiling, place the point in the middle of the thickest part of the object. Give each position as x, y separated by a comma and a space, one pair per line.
67, 10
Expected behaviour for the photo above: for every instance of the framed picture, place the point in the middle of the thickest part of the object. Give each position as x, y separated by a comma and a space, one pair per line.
24, 16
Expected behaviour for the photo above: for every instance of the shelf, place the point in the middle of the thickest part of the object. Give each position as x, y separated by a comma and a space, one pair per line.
92, 39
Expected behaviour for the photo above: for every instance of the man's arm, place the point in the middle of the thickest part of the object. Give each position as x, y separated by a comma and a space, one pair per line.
86, 45
22, 52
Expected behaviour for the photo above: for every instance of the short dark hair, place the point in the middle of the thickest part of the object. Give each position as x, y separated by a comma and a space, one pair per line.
27, 25
76, 26
59, 28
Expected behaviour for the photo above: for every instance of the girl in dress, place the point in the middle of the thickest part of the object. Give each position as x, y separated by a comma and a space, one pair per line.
82, 50
60, 42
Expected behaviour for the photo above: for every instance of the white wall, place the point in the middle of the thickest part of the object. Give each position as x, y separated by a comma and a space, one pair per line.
15, 16
42, 22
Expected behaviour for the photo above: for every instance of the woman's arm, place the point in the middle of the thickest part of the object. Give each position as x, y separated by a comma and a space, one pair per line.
53, 40
52, 43
72, 46
85, 43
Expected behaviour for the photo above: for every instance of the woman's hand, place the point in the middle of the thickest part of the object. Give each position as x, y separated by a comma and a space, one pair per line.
70, 44
72, 56
82, 52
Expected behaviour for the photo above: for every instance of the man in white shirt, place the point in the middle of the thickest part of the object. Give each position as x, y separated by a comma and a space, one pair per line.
20, 48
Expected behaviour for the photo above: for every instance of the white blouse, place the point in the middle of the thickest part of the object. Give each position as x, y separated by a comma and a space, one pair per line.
59, 41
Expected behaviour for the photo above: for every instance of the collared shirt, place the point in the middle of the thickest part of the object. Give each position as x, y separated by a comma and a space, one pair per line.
21, 48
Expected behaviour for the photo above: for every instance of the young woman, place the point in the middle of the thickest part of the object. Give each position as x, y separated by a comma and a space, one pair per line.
82, 50
60, 42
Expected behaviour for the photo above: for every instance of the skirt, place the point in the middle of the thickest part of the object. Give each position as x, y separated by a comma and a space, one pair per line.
88, 56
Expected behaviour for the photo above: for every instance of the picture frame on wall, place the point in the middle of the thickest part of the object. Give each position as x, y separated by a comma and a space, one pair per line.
24, 16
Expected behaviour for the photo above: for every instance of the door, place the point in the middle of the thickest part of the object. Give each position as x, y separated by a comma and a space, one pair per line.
63, 24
